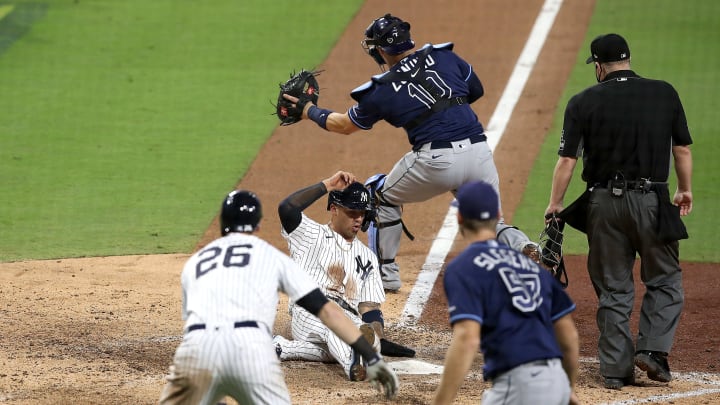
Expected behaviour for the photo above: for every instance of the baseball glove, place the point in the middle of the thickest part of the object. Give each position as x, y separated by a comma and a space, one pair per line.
551, 240
302, 85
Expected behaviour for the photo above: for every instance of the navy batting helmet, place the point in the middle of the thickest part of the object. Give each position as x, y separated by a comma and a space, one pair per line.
389, 33
240, 212
355, 197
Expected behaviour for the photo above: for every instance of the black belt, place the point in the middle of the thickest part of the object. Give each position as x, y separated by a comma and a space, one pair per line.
633, 185
343, 304
243, 324
441, 104
448, 144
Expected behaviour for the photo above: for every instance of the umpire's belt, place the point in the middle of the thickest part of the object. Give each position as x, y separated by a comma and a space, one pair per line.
645, 186
243, 324
449, 144
343, 304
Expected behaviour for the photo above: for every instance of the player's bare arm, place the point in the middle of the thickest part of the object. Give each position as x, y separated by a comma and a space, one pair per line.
334, 122
683, 167
567, 338
561, 179
366, 306
458, 359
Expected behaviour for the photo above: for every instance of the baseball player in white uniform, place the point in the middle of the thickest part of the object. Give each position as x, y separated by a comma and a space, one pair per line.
230, 298
346, 270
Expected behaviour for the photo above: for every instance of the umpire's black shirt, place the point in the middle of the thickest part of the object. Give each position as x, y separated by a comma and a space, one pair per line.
625, 123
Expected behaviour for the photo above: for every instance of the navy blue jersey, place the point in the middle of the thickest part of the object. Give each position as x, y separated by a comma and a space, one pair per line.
399, 102
514, 300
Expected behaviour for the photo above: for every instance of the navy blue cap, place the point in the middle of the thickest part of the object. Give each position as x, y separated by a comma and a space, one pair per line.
477, 200
608, 48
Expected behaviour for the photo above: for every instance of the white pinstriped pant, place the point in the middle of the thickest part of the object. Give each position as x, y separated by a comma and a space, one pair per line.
314, 341
224, 361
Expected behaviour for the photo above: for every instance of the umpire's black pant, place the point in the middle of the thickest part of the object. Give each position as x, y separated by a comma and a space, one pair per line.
618, 229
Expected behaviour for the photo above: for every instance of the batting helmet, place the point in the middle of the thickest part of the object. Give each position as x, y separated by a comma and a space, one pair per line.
240, 212
389, 33
355, 197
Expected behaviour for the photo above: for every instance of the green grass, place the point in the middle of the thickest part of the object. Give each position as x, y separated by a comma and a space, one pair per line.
124, 120
669, 40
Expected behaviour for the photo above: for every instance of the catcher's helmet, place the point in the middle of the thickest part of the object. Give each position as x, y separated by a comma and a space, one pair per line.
389, 33
240, 212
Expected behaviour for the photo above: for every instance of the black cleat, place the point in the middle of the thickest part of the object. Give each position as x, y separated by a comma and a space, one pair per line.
616, 383
655, 363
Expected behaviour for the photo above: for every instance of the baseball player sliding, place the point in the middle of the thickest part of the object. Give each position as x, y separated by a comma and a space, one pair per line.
229, 302
345, 269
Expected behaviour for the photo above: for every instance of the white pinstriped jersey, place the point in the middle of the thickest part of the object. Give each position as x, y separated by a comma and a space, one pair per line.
237, 278
348, 270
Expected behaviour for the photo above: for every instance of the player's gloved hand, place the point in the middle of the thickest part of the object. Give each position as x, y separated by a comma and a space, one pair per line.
382, 377
303, 88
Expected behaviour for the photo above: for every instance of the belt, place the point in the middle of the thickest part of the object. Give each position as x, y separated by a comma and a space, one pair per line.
448, 144
243, 324
343, 304
633, 185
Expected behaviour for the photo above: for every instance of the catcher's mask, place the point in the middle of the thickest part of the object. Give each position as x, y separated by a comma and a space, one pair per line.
389, 33
240, 212
354, 197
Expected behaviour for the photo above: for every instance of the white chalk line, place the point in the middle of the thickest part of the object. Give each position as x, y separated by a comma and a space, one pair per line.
494, 131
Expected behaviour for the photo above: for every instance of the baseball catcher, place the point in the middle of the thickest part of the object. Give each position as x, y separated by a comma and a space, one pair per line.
551, 239
302, 85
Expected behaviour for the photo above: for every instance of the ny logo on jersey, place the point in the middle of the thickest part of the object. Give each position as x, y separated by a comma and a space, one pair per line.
361, 269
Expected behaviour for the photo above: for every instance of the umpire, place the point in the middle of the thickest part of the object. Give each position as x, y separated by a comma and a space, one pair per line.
626, 128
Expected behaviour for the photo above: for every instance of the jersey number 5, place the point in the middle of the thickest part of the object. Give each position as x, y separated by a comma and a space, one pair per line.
524, 289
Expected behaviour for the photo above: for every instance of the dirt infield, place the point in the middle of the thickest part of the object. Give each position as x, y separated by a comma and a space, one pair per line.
103, 330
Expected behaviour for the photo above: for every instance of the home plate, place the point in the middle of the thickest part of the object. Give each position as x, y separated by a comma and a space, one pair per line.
415, 367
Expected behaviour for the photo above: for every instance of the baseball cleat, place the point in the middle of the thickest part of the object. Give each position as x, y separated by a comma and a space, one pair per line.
357, 368
655, 364
616, 383
278, 346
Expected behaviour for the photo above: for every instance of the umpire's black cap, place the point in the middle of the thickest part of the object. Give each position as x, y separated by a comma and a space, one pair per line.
608, 48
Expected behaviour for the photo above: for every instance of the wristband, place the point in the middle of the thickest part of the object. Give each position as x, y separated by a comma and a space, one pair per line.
374, 315
319, 115
365, 350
